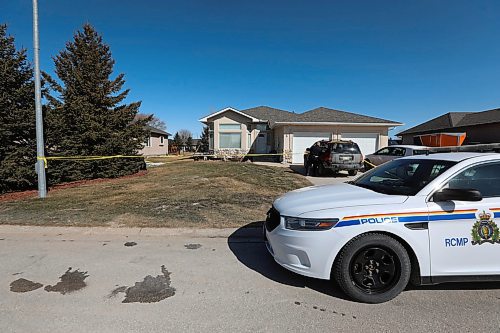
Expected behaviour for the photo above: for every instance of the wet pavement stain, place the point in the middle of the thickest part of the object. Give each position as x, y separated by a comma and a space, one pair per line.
130, 244
116, 291
192, 246
151, 289
23, 286
70, 281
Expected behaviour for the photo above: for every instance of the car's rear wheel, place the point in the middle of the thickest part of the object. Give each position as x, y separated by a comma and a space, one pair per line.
352, 172
321, 171
373, 268
368, 165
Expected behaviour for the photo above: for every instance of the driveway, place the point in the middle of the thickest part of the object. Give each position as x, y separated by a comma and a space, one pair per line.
183, 280
341, 177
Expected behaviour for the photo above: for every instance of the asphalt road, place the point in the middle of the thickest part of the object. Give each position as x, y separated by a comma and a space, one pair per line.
200, 281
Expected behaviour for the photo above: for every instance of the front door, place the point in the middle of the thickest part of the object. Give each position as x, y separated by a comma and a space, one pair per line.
464, 236
261, 143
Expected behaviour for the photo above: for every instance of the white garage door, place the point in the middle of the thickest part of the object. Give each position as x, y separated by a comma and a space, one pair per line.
367, 142
303, 140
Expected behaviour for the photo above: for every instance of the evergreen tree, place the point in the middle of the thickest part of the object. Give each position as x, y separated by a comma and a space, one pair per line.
87, 117
17, 117
178, 141
205, 139
189, 143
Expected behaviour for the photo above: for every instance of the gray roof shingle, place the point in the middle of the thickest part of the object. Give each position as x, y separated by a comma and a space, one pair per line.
477, 118
323, 114
453, 120
269, 113
320, 114
156, 130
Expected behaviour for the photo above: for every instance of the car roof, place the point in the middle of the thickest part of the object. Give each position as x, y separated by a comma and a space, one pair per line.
454, 157
336, 141
408, 146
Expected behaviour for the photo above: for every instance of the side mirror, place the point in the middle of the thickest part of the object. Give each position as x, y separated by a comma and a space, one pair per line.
449, 194
308, 149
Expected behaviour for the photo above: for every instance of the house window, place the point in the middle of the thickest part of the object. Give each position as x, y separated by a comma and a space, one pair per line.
211, 140
249, 140
230, 127
261, 127
161, 140
148, 141
230, 140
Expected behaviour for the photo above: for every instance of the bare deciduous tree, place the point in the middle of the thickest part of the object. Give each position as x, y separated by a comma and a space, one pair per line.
184, 135
157, 123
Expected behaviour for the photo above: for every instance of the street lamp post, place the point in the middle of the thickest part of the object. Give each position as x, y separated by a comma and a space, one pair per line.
40, 149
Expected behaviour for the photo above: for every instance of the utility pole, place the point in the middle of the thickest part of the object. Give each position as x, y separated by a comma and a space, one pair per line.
40, 146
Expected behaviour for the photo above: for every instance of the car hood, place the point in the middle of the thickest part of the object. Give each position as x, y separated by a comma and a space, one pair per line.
323, 197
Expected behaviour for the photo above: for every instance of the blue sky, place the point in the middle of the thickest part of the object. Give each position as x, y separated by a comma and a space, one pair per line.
407, 61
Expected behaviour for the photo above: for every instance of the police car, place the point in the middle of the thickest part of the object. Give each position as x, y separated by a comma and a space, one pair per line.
420, 219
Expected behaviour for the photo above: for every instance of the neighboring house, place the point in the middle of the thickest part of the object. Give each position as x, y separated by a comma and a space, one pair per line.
183, 148
264, 130
156, 143
480, 127
194, 144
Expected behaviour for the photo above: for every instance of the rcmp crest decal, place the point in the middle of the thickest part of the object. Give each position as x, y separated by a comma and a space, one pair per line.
485, 230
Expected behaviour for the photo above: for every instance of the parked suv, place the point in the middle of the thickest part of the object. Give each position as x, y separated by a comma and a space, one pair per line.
334, 155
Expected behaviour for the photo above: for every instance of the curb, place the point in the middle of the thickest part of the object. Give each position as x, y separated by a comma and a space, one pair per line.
243, 232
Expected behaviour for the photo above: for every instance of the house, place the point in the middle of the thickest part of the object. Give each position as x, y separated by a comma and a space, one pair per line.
479, 127
194, 144
263, 130
157, 142
174, 148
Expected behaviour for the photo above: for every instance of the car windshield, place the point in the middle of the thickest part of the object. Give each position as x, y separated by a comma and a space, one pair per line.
345, 147
402, 176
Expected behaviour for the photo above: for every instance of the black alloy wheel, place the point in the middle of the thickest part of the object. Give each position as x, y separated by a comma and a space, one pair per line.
375, 269
372, 268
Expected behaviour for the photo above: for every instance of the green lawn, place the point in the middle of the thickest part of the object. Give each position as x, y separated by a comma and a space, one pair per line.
181, 193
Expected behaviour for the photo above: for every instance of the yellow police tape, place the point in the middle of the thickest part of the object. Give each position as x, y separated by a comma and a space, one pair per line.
90, 158
370, 164
95, 158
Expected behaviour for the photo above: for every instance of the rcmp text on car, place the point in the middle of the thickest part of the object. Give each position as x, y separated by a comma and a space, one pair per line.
420, 219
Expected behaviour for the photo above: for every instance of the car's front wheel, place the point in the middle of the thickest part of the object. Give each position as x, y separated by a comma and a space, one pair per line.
352, 172
373, 268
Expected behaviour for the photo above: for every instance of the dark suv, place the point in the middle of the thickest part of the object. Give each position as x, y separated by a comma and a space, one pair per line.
333, 155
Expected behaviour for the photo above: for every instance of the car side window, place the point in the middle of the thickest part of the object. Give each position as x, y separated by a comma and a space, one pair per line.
485, 178
398, 151
420, 152
383, 151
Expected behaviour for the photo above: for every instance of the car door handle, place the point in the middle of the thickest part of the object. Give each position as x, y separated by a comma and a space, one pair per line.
417, 226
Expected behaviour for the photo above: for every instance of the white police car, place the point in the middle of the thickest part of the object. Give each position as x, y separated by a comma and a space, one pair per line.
424, 219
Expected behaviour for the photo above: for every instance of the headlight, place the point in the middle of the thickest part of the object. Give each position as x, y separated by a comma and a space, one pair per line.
297, 223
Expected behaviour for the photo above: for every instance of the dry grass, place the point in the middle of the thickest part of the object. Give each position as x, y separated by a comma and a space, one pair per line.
181, 193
